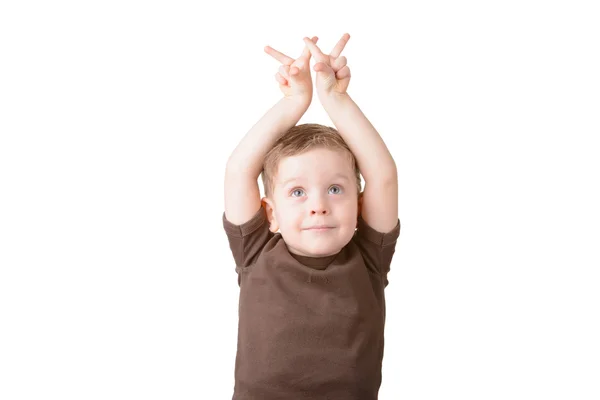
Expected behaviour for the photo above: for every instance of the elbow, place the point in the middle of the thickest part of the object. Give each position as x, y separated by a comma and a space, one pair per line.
389, 174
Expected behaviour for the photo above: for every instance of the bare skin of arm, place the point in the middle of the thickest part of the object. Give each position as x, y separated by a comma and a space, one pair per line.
242, 195
380, 196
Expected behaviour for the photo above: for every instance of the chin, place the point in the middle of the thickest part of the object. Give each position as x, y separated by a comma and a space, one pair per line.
322, 251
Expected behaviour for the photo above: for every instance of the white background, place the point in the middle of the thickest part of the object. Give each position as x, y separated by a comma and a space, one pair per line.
116, 121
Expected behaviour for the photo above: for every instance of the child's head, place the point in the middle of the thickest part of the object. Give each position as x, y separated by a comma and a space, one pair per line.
311, 178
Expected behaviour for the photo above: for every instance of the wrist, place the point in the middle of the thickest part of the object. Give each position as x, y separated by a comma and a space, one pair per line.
333, 97
299, 100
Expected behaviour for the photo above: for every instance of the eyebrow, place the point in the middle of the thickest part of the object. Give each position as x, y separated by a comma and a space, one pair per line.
336, 176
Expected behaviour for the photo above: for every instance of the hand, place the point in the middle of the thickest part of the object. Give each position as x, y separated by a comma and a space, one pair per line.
333, 75
294, 75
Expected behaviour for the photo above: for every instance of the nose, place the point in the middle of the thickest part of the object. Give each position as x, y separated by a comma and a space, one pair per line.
319, 207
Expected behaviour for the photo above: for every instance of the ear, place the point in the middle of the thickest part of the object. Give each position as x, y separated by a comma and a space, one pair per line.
360, 201
269, 207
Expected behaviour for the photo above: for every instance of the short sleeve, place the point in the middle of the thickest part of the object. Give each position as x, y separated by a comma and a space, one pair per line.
248, 239
377, 248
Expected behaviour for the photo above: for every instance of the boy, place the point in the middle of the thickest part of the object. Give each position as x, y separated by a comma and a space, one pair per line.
312, 306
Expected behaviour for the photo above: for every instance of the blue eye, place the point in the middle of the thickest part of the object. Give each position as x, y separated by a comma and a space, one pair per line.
338, 188
294, 193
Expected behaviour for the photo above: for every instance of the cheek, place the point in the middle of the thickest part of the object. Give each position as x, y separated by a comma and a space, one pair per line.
350, 216
288, 215
349, 206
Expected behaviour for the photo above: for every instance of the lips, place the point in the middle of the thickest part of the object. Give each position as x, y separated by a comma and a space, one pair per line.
319, 228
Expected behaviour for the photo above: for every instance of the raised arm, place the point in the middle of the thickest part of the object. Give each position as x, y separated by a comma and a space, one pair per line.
242, 195
380, 196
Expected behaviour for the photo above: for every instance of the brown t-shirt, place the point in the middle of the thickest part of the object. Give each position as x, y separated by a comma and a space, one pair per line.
309, 327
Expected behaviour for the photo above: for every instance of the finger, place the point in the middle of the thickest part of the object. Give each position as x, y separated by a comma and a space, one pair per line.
280, 79
284, 70
339, 63
306, 51
337, 50
294, 71
343, 73
315, 51
282, 58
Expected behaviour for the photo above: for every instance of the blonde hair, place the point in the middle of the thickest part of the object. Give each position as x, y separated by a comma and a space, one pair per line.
298, 140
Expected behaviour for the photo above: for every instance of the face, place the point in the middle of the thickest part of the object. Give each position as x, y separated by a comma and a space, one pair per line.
315, 202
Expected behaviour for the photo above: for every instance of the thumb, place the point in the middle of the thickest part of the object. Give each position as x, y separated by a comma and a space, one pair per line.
322, 67
296, 75
325, 75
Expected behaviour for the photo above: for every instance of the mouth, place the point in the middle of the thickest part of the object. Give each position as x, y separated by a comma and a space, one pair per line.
319, 228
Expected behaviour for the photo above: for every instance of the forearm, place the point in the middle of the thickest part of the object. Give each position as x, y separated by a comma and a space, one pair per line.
250, 152
371, 153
